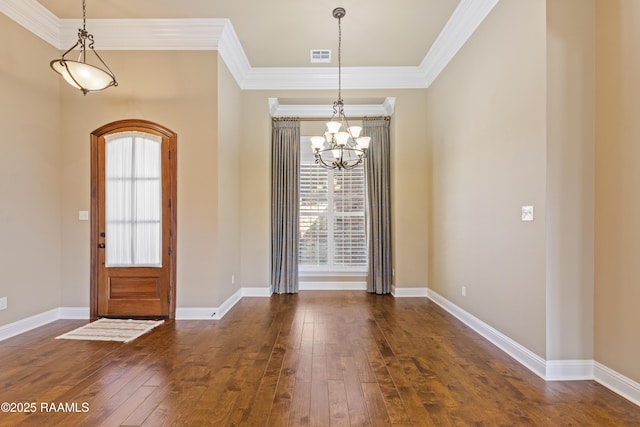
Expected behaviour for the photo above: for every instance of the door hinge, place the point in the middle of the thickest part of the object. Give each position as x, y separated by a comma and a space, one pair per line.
169, 251
169, 201
169, 155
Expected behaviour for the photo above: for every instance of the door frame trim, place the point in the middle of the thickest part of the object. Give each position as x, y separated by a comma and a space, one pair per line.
172, 182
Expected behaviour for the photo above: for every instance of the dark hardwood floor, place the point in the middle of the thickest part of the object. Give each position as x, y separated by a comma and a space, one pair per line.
316, 358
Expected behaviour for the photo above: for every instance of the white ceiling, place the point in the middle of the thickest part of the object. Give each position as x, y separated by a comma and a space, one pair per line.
266, 44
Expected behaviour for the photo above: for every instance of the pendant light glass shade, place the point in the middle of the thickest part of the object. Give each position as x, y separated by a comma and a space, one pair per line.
83, 76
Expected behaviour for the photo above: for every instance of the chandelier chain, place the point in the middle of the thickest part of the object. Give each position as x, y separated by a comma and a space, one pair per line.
346, 147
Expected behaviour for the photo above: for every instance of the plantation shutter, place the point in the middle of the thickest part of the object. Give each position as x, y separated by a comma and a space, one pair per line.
349, 225
332, 217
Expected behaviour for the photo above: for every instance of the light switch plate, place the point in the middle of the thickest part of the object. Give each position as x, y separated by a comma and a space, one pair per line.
3, 303
83, 215
527, 213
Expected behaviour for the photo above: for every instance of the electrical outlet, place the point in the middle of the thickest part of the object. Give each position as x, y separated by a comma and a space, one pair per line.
3, 303
527, 213
464, 291
233, 279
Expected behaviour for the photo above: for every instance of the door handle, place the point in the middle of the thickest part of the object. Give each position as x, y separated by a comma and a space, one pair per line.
101, 245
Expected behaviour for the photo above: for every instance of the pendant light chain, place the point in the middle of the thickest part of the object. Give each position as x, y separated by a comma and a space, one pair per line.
339, 58
84, 15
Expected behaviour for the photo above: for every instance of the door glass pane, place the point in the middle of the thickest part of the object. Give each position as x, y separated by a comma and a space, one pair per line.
133, 200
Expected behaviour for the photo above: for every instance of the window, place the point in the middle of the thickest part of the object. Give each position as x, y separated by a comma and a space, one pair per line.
332, 217
133, 189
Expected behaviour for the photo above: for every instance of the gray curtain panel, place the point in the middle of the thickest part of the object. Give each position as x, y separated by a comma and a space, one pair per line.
285, 207
378, 171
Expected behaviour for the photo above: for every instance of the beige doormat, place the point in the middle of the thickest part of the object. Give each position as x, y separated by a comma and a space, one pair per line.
122, 330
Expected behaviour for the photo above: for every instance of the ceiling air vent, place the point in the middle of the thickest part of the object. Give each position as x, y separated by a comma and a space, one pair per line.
321, 56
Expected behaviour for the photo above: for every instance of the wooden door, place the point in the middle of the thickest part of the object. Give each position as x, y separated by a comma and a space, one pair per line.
133, 220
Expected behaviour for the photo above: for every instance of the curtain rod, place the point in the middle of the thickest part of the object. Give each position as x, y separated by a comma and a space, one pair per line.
325, 119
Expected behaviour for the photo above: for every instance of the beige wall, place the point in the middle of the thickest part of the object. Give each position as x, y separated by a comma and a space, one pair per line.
30, 170
177, 90
228, 183
570, 178
617, 292
488, 137
409, 176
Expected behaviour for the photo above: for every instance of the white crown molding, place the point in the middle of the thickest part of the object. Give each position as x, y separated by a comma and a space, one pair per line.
147, 34
304, 78
232, 53
311, 111
218, 34
463, 22
34, 17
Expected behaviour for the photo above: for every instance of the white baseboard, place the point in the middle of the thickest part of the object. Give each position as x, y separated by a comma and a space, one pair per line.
550, 370
256, 292
333, 286
216, 313
74, 313
32, 322
617, 383
523, 355
409, 292
182, 313
196, 313
213, 313
568, 370
228, 304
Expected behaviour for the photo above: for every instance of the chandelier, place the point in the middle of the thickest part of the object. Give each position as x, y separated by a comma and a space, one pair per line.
80, 74
340, 149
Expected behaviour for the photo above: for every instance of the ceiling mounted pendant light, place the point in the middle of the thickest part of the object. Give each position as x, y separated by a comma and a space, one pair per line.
79, 73
340, 149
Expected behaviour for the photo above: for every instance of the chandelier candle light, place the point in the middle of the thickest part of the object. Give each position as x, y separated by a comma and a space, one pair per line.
343, 149
80, 74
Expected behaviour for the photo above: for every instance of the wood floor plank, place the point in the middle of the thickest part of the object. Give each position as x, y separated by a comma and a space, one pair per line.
319, 411
338, 408
138, 416
313, 358
301, 404
128, 407
375, 405
282, 401
358, 414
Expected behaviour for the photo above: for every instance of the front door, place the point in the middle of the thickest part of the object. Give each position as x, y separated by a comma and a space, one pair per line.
133, 220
